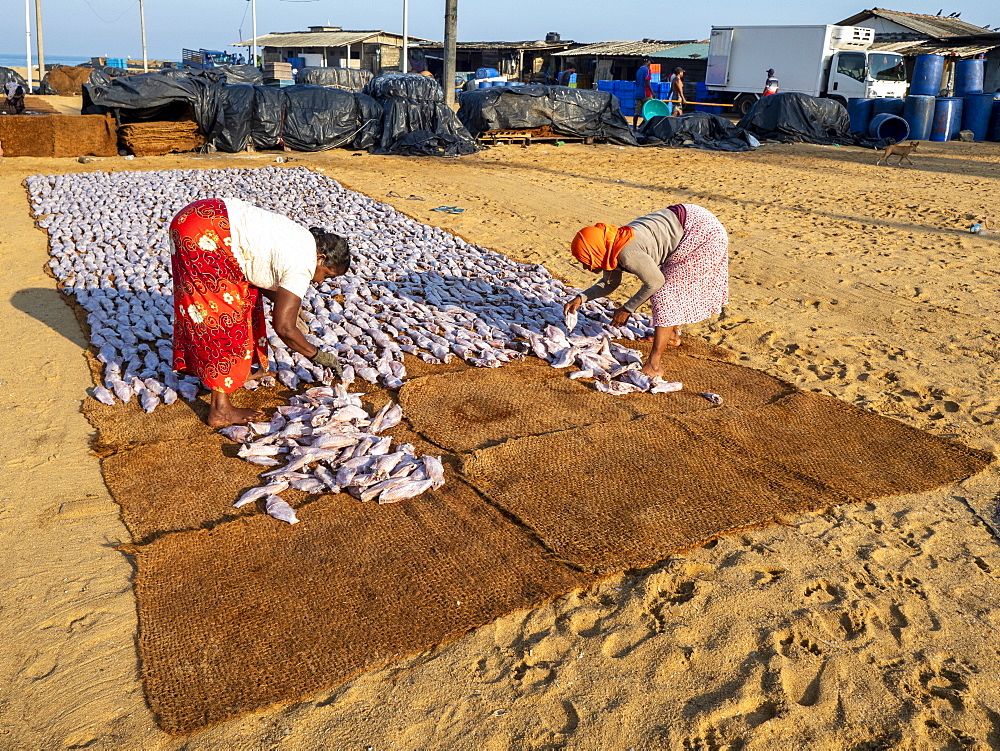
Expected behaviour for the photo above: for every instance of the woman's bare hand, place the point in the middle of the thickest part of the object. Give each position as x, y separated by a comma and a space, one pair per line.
573, 305
620, 317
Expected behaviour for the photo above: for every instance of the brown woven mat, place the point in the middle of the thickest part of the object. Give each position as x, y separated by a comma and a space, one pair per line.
477, 408
238, 610
617, 496
256, 611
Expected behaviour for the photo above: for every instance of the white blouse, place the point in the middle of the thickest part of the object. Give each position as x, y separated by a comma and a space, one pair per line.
272, 250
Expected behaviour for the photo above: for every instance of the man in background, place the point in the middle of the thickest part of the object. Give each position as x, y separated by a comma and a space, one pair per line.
677, 91
15, 97
643, 89
565, 75
771, 84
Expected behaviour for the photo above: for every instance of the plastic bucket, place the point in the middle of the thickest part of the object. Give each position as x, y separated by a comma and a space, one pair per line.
890, 104
656, 108
947, 118
918, 111
976, 111
927, 71
860, 112
968, 77
886, 125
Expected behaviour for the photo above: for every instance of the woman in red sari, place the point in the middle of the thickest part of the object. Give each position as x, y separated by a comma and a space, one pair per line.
227, 256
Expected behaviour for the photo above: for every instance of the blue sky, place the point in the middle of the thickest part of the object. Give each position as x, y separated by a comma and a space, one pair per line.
111, 27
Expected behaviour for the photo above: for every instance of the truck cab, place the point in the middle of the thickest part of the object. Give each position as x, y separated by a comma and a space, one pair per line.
857, 73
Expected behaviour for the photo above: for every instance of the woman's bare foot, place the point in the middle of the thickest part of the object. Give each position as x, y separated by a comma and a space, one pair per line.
650, 371
673, 336
222, 413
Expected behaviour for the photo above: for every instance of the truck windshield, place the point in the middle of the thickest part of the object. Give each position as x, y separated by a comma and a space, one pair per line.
886, 67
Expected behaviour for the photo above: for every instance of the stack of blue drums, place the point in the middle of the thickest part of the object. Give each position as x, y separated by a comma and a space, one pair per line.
977, 107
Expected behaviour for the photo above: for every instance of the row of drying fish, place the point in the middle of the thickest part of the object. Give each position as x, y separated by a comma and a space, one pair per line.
324, 441
412, 288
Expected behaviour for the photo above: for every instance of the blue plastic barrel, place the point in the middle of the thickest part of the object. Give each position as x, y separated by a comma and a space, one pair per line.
927, 72
498, 83
976, 111
918, 111
993, 130
890, 104
487, 73
969, 77
860, 111
947, 118
484, 84
886, 125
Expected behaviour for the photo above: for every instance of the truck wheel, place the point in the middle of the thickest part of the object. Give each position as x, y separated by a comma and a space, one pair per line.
744, 103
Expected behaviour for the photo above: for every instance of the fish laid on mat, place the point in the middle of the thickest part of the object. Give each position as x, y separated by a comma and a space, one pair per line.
411, 288
329, 443
280, 510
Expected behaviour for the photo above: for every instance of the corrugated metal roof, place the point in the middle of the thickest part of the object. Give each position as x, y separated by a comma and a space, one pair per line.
317, 38
934, 26
532, 45
624, 49
695, 51
911, 48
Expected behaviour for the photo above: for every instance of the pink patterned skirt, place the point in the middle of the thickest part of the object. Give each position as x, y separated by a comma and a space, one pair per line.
696, 276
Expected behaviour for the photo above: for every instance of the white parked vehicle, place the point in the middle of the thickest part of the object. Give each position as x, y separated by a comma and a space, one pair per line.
824, 61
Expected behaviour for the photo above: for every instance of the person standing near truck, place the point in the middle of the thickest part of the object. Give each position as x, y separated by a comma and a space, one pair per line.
643, 89
677, 91
771, 84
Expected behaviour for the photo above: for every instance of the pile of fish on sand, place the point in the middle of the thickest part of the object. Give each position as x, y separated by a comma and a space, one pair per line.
412, 288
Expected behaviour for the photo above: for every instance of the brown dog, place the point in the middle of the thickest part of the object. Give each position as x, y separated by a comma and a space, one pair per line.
902, 149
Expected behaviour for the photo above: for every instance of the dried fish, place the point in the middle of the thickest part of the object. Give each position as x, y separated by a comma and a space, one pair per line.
280, 510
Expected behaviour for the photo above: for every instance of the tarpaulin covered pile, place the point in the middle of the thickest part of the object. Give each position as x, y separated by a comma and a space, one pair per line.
578, 113
9, 74
700, 130
234, 117
415, 119
801, 118
342, 78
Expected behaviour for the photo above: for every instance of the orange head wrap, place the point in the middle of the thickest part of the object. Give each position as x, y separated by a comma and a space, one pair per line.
598, 247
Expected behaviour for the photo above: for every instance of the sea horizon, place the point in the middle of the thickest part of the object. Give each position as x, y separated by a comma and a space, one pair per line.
20, 59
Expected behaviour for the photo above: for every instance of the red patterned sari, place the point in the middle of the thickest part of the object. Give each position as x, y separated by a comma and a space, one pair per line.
219, 328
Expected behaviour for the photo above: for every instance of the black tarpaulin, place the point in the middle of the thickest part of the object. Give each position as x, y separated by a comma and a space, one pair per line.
415, 120
319, 118
578, 113
9, 74
352, 79
700, 130
800, 118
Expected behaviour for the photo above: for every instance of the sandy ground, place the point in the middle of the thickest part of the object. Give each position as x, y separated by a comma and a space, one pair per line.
868, 626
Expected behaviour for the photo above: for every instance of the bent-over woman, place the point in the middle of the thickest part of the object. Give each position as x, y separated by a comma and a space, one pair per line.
681, 256
227, 256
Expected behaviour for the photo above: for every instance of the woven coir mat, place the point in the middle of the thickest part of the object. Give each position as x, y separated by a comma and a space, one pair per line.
477, 408
617, 496
858, 453
624, 495
255, 611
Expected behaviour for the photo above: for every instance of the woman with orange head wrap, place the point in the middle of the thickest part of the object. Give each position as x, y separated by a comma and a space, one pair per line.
681, 256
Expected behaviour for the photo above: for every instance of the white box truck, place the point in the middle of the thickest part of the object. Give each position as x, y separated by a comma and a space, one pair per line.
826, 61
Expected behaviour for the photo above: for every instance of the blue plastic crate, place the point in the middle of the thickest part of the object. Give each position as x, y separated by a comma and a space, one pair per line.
605, 86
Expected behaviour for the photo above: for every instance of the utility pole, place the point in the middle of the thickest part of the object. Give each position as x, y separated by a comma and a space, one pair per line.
142, 26
253, 16
38, 36
405, 67
450, 34
27, 33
